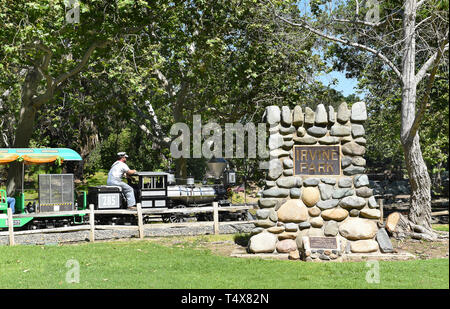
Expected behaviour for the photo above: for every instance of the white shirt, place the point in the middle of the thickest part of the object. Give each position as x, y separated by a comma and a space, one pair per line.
117, 170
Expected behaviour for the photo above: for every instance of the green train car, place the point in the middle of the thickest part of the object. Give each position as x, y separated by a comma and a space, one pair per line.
56, 192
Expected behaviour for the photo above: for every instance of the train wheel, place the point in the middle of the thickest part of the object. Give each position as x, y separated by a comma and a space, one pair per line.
174, 217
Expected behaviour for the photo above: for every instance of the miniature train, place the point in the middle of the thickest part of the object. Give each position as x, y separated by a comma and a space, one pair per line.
57, 194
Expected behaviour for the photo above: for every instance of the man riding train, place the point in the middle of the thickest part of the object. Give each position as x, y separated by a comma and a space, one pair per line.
117, 171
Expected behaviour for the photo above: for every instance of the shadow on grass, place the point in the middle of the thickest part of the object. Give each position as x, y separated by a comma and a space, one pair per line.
242, 239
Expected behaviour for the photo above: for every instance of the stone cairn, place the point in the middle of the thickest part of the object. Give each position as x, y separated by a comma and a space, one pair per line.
340, 206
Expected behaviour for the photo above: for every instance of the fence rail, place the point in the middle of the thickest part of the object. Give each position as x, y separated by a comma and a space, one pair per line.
139, 212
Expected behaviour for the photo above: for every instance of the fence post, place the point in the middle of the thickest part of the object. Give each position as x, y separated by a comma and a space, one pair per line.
381, 210
140, 221
216, 217
10, 227
92, 223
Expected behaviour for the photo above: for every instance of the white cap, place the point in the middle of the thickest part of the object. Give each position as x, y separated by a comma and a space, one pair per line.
122, 154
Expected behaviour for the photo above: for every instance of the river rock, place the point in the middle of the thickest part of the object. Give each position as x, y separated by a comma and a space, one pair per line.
331, 114
276, 192
291, 227
359, 161
354, 170
354, 213
342, 192
352, 202
314, 211
288, 163
359, 112
357, 130
286, 117
275, 141
293, 211
353, 149
316, 222
321, 115
307, 140
364, 246
317, 131
310, 195
277, 153
287, 235
264, 223
340, 130
286, 245
331, 228
288, 172
273, 215
372, 202
308, 182
370, 213
329, 140
287, 182
361, 181
326, 191
286, 131
267, 203
327, 204
337, 214
301, 131
276, 229
329, 181
345, 182
275, 169
384, 241
361, 141
262, 214
343, 113
346, 161
297, 119
358, 228
273, 114
364, 192
262, 243
304, 225
309, 116
295, 193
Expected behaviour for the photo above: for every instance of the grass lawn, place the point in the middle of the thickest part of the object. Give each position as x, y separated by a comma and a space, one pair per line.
146, 264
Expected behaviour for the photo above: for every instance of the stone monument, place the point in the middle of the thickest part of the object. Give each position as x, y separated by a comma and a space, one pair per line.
317, 203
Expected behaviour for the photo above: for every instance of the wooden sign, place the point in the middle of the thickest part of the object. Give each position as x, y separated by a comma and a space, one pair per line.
317, 160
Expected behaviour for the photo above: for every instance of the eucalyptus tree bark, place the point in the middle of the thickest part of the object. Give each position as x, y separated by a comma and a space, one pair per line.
411, 117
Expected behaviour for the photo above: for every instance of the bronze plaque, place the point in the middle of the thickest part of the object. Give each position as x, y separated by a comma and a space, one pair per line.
317, 160
318, 242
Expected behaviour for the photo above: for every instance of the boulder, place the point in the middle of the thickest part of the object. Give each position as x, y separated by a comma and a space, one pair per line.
359, 112
316, 222
273, 114
343, 113
358, 228
309, 116
331, 228
331, 114
275, 169
321, 115
364, 246
286, 245
317, 131
276, 192
337, 214
364, 192
353, 149
293, 211
329, 140
352, 202
384, 241
286, 117
340, 130
310, 196
357, 130
264, 242
327, 204
314, 211
361, 181
326, 191
297, 116
275, 141
370, 213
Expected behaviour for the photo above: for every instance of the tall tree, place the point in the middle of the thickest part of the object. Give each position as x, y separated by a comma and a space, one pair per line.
410, 38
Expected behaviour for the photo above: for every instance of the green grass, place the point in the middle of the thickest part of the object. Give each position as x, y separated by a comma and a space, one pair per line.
145, 264
440, 227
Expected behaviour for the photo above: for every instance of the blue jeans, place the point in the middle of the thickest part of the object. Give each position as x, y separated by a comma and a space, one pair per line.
11, 203
127, 190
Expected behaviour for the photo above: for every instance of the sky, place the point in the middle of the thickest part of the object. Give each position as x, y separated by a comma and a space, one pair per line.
347, 86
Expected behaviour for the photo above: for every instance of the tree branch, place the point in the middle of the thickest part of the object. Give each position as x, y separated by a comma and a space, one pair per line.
436, 58
345, 42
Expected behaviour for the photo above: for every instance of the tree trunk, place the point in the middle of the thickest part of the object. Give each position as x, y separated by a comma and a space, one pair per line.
420, 209
25, 127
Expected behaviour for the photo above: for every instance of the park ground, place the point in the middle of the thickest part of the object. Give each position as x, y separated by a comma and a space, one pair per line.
203, 262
